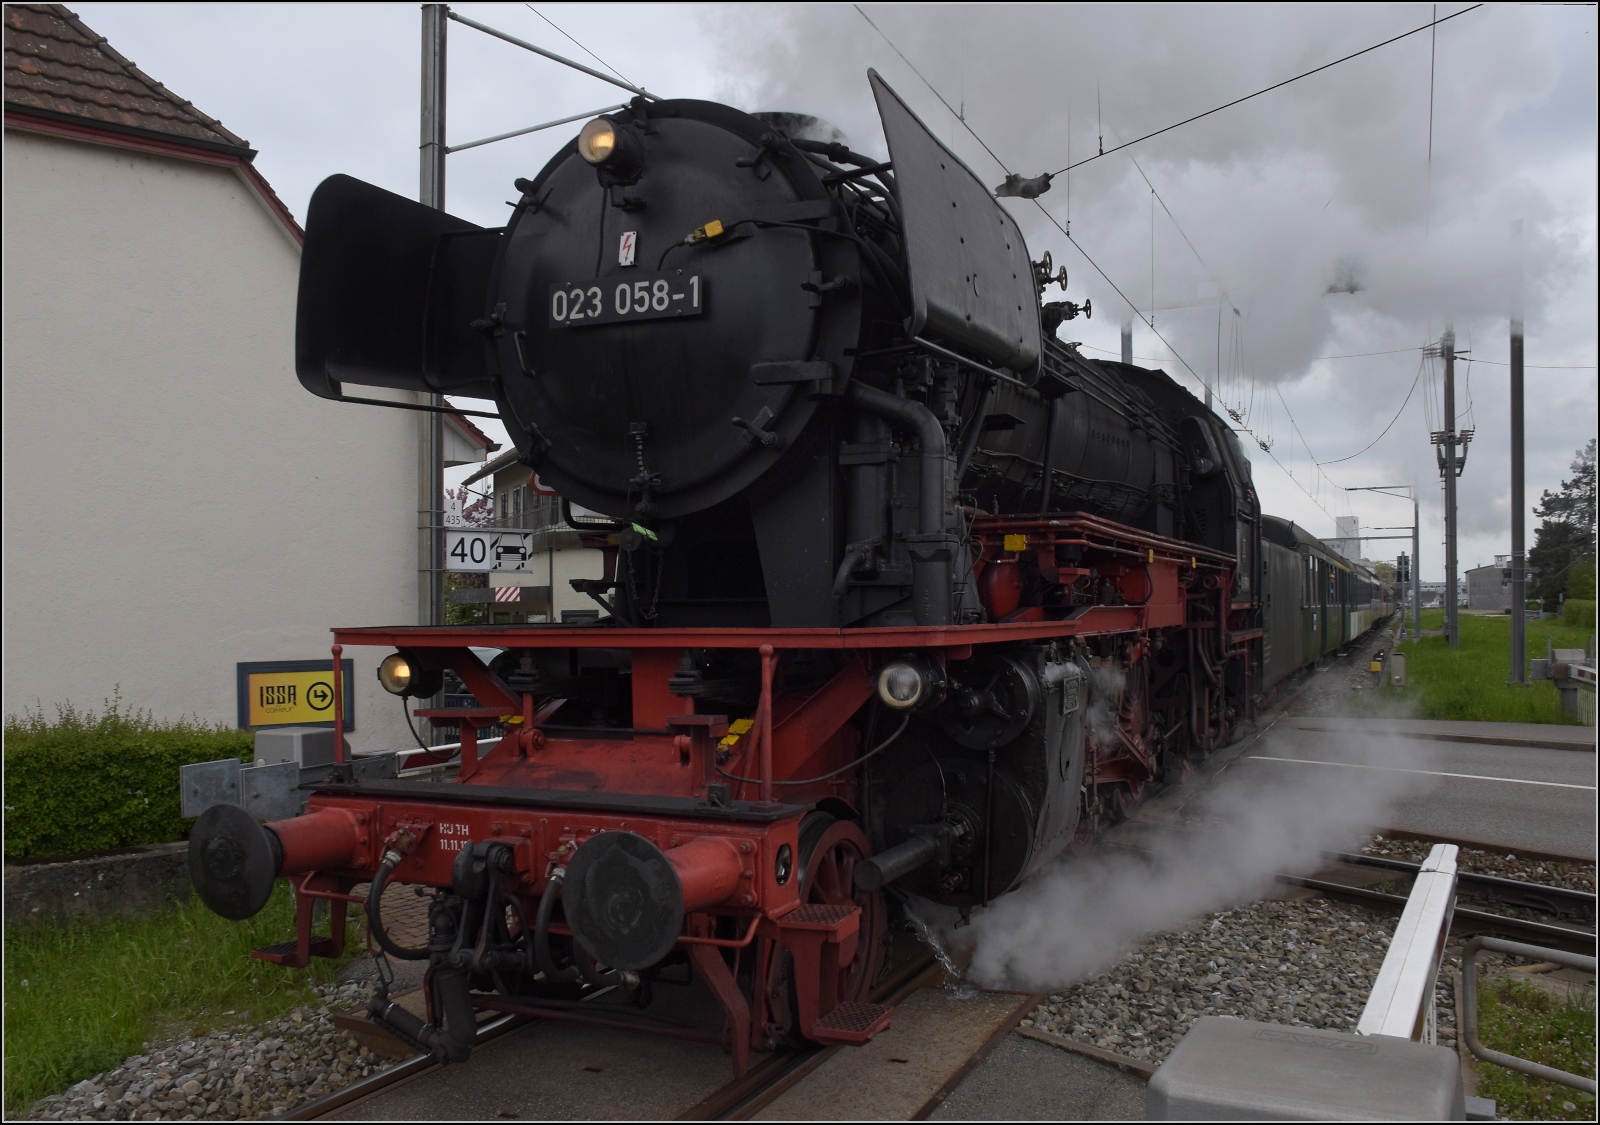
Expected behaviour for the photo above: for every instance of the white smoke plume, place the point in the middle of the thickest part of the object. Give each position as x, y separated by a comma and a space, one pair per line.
1102, 716
1255, 820
1350, 214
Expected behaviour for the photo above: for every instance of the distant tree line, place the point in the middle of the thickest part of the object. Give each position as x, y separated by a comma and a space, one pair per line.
1563, 555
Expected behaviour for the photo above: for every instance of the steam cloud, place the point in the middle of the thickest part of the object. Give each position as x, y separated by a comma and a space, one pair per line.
1255, 820
1315, 211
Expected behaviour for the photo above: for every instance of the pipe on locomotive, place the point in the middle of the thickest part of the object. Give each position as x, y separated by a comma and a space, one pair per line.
930, 567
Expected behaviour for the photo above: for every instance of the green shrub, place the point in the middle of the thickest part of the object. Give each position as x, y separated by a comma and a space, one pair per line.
1578, 612
88, 782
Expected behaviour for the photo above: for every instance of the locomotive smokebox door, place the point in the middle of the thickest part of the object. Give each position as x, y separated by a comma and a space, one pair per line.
659, 387
971, 280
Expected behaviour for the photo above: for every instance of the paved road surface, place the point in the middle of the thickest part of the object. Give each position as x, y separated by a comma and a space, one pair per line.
1022, 1080
1506, 796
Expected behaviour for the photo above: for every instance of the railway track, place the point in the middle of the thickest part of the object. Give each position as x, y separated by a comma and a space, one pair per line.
736, 1101
744, 1097
1572, 912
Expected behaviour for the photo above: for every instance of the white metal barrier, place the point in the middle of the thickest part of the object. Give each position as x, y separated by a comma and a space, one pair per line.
445, 748
1401, 1003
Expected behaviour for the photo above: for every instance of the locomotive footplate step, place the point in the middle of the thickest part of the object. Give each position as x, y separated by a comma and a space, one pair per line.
284, 951
852, 1022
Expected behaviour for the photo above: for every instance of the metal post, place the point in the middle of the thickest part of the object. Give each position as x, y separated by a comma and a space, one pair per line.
430, 461
1519, 593
1127, 340
1416, 573
1447, 346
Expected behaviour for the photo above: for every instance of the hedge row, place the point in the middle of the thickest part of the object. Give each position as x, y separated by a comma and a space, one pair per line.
88, 782
1576, 611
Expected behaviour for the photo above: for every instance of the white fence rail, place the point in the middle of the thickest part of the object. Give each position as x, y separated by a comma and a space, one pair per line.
1401, 1003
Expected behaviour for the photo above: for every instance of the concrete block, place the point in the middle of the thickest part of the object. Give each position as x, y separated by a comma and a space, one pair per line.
1240, 1070
128, 881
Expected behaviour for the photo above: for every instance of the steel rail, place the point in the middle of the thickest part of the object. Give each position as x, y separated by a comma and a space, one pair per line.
412, 1067
1493, 886
744, 1097
1466, 921
734, 1101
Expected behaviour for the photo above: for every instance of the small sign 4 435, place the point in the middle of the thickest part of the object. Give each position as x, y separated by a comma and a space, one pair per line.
499, 551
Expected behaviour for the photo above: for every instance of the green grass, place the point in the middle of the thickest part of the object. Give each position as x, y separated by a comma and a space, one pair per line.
1531, 1023
1469, 682
79, 999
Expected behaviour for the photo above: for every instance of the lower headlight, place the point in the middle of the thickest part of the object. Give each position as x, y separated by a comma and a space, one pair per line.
900, 686
395, 674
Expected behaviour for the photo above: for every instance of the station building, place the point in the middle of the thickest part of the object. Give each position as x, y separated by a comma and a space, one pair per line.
174, 503
1488, 588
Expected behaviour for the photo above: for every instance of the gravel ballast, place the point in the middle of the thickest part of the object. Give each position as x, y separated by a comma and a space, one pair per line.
1304, 963
234, 1073
1574, 875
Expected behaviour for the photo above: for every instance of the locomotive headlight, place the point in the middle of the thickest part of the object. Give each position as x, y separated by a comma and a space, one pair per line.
402, 674
912, 683
597, 141
900, 686
395, 674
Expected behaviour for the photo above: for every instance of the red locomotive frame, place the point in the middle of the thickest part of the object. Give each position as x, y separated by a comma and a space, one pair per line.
724, 825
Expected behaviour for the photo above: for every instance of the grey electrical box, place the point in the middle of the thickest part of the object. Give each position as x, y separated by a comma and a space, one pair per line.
1397, 669
306, 746
1240, 1070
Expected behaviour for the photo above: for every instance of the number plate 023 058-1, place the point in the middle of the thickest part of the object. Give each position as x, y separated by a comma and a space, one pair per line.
616, 301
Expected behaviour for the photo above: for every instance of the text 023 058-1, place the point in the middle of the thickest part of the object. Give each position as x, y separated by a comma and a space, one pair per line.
612, 301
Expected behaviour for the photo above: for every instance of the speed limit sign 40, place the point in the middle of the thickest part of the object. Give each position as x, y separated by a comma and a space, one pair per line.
499, 551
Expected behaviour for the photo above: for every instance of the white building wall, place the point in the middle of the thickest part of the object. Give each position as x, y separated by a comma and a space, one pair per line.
174, 501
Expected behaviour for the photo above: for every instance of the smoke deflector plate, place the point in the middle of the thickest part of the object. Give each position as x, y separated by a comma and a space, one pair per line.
971, 279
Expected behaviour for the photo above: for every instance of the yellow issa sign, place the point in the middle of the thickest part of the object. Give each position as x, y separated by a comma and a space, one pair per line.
290, 697
279, 693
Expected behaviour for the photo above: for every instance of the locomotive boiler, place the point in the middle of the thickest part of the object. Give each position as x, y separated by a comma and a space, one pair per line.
901, 595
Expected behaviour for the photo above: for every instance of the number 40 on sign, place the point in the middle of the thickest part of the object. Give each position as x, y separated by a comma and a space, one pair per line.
499, 551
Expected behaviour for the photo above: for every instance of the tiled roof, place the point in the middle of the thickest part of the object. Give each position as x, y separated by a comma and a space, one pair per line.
57, 67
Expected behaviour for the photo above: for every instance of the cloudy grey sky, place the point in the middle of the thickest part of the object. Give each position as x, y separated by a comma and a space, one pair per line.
1261, 208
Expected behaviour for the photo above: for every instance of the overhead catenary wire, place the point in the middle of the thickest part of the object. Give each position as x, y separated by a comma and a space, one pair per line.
1337, 460
1433, 56
551, 55
1266, 90
1187, 241
578, 45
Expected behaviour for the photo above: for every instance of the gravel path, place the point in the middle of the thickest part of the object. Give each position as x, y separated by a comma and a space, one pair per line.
1307, 963
236, 1073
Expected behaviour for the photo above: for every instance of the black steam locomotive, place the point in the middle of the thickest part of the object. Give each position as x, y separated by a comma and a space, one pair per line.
895, 584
